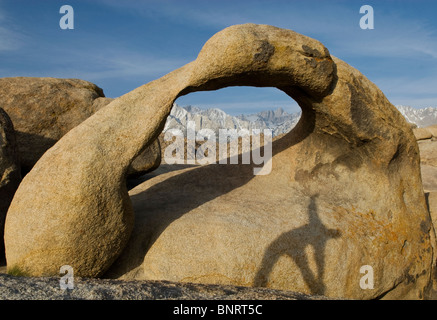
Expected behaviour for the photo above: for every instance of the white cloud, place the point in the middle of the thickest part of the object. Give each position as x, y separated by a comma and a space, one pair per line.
99, 64
10, 39
415, 92
332, 22
127, 64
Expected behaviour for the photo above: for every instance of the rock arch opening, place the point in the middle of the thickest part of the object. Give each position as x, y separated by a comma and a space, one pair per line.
230, 124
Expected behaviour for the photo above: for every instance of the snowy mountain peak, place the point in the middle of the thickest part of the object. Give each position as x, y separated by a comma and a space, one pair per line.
278, 120
421, 117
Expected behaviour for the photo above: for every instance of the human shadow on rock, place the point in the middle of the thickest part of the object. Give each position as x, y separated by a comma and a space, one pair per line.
293, 244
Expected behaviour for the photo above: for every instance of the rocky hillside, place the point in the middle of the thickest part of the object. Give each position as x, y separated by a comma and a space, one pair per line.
278, 120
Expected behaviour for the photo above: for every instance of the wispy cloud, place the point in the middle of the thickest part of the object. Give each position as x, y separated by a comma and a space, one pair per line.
415, 92
121, 63
124, 69
10, 38
400, 54
392, 38
333, 21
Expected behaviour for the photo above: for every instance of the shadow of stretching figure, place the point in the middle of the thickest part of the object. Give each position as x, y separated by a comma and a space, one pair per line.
293, 244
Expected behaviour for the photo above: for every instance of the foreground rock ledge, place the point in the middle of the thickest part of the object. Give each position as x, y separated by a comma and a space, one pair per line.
344, 191
30, 288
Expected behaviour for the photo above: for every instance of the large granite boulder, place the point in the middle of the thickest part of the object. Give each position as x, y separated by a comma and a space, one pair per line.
422, 133
10, 175
45, 109
344, 190
428, 164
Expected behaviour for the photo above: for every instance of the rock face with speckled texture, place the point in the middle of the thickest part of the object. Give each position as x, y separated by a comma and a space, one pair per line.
344, 190
45, 109
10, 176
29, 288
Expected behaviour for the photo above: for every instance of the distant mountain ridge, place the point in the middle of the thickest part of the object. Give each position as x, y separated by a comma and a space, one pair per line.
421, 117
278, 121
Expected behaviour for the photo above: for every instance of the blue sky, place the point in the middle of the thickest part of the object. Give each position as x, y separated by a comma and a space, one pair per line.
120, 45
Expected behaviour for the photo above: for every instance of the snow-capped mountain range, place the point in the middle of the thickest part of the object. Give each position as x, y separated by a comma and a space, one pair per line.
421, 117
278, 121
